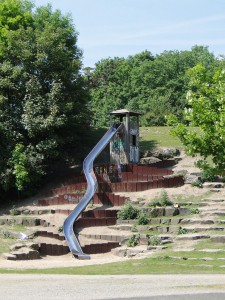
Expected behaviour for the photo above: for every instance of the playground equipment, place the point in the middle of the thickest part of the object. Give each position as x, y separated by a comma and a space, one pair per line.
68, 230
124, 148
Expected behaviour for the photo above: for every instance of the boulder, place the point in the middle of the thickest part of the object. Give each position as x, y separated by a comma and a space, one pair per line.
149, 160
214, 185
165, 153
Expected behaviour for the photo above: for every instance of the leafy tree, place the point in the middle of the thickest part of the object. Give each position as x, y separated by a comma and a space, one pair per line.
43, 99
153, 85
207, 112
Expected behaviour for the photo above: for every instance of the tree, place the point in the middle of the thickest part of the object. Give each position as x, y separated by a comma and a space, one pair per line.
43, 99
206, 111
152, 85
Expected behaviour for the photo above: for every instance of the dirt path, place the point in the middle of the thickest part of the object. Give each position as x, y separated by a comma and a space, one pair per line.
57, 287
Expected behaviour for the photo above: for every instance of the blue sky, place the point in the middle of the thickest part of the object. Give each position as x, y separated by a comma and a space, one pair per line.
118, 28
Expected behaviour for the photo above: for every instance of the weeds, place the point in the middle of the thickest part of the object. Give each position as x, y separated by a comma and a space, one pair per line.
162, 201
154, 241
133, 240
181, 230
128, 212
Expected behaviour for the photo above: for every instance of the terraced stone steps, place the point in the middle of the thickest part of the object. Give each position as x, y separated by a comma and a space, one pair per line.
53, 249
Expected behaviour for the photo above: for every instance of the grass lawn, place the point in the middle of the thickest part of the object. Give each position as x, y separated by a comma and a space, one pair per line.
151, 137
157, 265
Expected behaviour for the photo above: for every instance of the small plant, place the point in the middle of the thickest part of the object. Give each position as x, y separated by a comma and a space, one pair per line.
181, 230
128, 212
142, 219
162, 200
14, 211
194, 211
154, 241
197, 183
133, 240
134, 228
60, 229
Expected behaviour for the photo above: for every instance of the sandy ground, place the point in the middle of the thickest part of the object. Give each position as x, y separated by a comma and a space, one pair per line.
186, 163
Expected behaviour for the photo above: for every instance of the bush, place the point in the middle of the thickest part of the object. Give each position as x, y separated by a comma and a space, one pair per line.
142, 219
154, 240
181, 230
194, 211
128, 212
133, 240
162, 200
14, 211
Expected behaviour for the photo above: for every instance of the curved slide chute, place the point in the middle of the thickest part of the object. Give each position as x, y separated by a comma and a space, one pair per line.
92, 184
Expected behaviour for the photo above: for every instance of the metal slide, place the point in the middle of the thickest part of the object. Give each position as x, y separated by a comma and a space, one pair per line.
92, 184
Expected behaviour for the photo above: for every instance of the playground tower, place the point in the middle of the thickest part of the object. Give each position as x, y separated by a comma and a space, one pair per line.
124, 146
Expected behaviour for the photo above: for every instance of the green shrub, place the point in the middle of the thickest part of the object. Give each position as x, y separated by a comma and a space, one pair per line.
128, 212
194, 211
14, 211
134, 228
133, 240
181, 230
142, 218
162, 200
154, 240
60, 229
197, 183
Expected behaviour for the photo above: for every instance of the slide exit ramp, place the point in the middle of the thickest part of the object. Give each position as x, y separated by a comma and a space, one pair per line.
92, 185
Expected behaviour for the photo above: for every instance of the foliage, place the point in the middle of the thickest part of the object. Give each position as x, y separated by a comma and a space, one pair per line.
181, 230
127, 212
197, 183
153, 85
134, 228
206, 111
162, 200
154, 240
133, 240
194, 211
60, 229
43, 97
19, 165
142, 218
14, 211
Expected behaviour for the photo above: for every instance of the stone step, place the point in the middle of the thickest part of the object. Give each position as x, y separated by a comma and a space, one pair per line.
100, 247
202, 229
217, 200
92, 222
218, 238
26, 254
50, 234
197, 221
193, 236
53, 249
107, 237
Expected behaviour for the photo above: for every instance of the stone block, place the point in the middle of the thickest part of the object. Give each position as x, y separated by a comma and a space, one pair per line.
169, 211
184, 211
218, 239
157, 212
9, 256
214, 185
175, 221
121, 252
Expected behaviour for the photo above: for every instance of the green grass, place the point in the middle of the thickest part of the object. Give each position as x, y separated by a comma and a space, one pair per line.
156, 265
152, 137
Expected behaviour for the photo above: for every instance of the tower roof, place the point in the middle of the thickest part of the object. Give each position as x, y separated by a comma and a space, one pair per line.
124, 112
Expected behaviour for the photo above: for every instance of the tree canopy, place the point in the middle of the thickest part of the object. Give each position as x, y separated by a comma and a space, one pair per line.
43, 99
152, 85
206, 111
